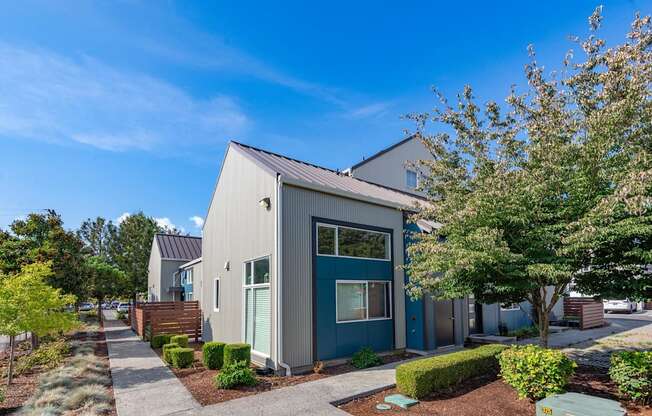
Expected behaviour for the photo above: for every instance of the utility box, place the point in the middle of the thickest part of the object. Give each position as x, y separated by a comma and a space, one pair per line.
576, 404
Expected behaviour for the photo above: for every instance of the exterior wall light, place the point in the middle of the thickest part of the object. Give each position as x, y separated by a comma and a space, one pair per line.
265, 203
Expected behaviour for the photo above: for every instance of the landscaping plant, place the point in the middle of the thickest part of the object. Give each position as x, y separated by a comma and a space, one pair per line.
237, 352
181, 357
159, 340
535, 372
48, 355
365, 358
421, 377
235, 374
632, 373
213, 355
166, 351
182, 340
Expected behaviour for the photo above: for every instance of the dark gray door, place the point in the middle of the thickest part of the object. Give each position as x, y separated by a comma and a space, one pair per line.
444, 323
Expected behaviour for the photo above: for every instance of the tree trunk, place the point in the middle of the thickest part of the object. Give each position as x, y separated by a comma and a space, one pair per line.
544, 322
12, 349
100, 318
35, 341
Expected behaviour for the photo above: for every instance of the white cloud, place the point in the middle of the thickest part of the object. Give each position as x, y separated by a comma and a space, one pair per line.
197, 220
371, 110
166, 223
49, 97
122, 217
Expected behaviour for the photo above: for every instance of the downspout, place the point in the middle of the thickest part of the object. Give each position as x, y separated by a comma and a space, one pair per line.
278, 228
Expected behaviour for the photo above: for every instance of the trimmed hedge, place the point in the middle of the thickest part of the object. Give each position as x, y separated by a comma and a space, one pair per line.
213, 355
182, 340
160, 340
421, 377
182, 357
237, 352
166, 351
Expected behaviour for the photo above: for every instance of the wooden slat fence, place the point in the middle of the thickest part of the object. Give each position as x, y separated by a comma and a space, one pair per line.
648, 305
154, 318
589, 311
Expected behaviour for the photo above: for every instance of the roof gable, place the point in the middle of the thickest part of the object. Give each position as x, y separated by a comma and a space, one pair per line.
383, 151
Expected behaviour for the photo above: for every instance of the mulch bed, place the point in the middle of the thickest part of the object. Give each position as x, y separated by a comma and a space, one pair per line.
24, 385
489, 396
199, 380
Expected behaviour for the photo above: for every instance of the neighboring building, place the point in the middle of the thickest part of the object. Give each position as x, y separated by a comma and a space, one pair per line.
169, 253
190, 280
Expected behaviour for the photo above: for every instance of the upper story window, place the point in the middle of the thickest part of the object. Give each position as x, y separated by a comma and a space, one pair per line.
257, 272
411, 179
189, 277
336, 240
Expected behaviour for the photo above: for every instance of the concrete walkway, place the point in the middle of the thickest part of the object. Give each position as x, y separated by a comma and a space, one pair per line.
313, 398
142, 384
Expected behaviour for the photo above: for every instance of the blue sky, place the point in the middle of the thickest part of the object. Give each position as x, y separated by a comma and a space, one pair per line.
109, 108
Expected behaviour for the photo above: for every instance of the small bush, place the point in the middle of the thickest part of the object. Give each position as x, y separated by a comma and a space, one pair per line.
632, 373
421, 377
2, 395
86, 396
213, 355
237, 352
166, 351
366, 358
182, 340
182, 357
535, 372
159, 340
48, 355
121, 315
234, 375
525, 332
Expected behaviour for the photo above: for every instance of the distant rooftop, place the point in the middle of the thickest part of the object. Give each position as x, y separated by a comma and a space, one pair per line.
382, 152
299, 173
178, 247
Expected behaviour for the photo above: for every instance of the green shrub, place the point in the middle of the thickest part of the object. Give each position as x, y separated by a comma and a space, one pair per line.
48, 355
121, 315
632, 373
234, 375
421, 377
182, 357
166, 351
237, 352
535, 372
159, 340
213, 355
366, 358
2, 395
524, 332
182, 340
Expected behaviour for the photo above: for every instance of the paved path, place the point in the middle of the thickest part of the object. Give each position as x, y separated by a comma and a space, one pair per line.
142, 384
312, 398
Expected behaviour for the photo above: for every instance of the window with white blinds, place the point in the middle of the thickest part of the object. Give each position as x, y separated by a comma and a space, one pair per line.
257, 299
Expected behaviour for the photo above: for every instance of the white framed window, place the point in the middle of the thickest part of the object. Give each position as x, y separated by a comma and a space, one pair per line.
411, 179
216, 294
188, 296
189, 276
342, 241
257, 305
363, 300
509, 306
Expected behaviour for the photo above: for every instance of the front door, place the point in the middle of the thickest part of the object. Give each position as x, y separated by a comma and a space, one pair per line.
444, 323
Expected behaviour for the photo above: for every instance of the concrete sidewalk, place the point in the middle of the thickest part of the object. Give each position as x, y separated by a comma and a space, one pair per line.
312, 398
142, 384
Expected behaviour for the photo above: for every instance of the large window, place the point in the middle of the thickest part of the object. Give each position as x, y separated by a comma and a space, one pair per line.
411, 179
336, 240
257, 305
362, 300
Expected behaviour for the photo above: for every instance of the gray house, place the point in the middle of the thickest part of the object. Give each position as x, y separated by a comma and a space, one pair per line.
170, 258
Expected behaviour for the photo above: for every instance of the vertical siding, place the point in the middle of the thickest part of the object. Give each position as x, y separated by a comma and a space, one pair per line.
237, 229
154, 274
168, 268
299, 206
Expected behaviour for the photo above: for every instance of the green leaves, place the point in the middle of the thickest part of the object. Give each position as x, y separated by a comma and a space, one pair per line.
632, 373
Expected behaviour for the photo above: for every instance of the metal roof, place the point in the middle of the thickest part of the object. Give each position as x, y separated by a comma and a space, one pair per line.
178, 247
299, 173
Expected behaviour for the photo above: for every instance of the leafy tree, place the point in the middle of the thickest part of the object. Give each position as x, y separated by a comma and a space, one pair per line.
558, 188
98, 235
102, 280
132, 249
29, 304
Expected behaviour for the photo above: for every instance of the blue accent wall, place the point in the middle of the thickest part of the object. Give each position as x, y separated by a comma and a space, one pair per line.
414, 325
336, 340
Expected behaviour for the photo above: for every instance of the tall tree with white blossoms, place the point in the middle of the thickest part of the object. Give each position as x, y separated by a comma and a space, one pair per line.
554, 189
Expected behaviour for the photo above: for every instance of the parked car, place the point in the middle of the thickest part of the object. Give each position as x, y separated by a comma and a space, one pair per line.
86, 306
618, 305
114, 304
123, 307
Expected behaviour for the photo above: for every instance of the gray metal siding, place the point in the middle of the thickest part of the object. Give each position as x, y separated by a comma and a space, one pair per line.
168, 268
237, 229
154, 274
299, 206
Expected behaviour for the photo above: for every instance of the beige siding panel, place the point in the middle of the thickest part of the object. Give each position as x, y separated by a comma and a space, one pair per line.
389, 168
299, 206
237, 229
154, 274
